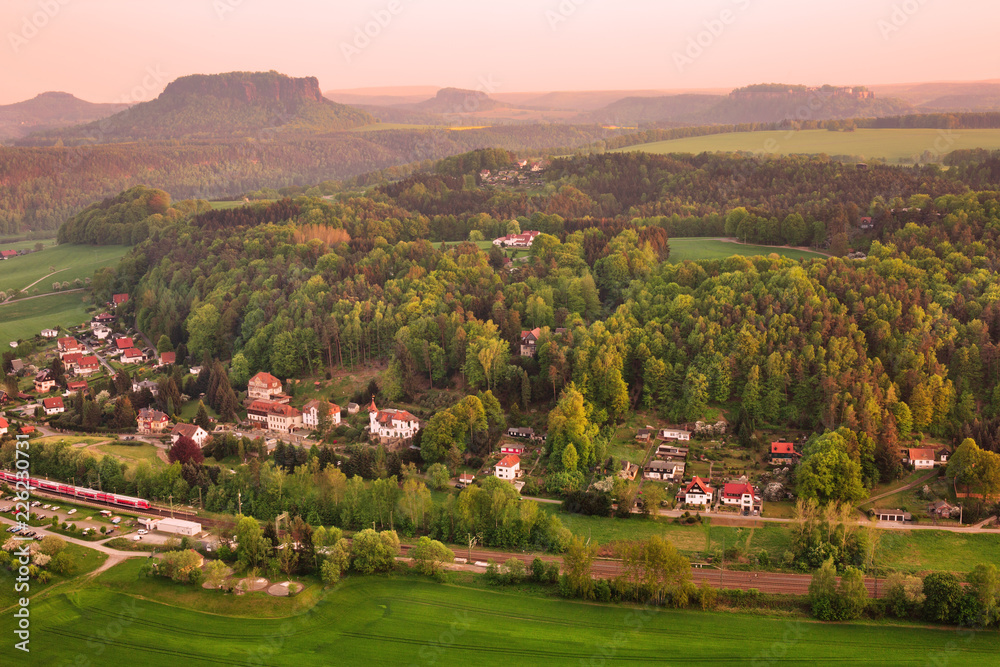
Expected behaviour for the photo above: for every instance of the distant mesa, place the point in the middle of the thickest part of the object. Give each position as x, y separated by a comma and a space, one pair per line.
459, 100
49, 111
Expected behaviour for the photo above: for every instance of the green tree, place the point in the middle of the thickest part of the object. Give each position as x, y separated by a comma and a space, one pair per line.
942, 597
823, 592
428, 555
374, 552
202, 419
828, 473
164, 344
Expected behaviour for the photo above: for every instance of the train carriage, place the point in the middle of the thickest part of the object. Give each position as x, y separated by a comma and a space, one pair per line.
77, 491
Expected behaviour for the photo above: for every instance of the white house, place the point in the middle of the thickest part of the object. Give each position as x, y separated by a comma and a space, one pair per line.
663, 470
738, 493
674, 433
508, 467
49, 333
697, 492
391, 423
283, 418
310, 414
263, 386
132, 356
53, 406
193, 431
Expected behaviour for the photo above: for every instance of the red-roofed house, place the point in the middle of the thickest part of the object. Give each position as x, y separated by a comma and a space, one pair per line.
511, 448
68, 345
77, 385
132, 356
263, 386
193, 431
88, 365
466, 478
310, 414
391, 423
257, 411
118, 299
738, 493
3, 426
283, 418
522, 240
697, 492
529, 342
27, 430
921, 458
72, 361
783, 454
168, 358
123, 343
7, 254
151, 421
53, 406
509, 467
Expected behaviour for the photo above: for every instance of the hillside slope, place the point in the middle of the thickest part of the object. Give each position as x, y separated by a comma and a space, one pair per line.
50, 111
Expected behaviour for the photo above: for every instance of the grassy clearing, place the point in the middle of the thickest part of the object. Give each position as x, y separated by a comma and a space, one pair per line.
71, 440
26, 318
84, 560
888, 144
26, 245
407, 620
682, 249
938, 550
133, 454
71, 262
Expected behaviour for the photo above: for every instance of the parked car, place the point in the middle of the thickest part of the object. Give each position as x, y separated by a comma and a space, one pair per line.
142, 531
72, 511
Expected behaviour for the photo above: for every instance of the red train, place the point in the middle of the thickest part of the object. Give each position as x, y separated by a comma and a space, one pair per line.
77, 491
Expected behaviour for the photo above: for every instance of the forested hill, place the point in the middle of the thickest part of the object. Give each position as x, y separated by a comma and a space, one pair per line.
206, 106
50, 111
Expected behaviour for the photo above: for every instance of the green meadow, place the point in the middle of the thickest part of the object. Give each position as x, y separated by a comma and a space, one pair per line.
682, 249
27, 317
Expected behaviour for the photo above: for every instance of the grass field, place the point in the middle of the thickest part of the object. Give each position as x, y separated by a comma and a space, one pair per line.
84, 560
25, 318
26, 245
702, 248
132, 454
408, 621
71, 262
891, 145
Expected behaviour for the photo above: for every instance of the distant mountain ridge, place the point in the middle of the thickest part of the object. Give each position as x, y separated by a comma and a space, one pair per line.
49, 111
230, 105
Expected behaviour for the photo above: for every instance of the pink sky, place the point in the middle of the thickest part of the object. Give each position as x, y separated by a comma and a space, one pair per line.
107, 50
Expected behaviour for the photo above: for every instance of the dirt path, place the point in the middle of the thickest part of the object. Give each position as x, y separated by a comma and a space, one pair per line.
41, 296
729, 239
892, 492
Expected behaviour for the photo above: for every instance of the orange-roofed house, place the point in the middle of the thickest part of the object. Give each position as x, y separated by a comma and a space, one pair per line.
529, 342
391, 423
123, 343
3, 426
508, 468
697, 492
53, 406
132, 356
783, 454
738, 493
263, 386
89, 364
922, 458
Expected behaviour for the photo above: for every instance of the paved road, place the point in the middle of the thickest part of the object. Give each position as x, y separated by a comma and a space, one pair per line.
115, 556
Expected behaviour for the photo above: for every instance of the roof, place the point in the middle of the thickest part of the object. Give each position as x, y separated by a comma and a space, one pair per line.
187, 430
3, 423
119, 298
782, 448
513, 445
89, 361
73, 358
44, 375
131, 353
921, 454
283, 410
152, 415
50, 403
68, 341
660, 465
509, 461
124, 343
178, 523
386, 416
466, 477
521, 429
266, 379
260, 405
76, 384
168, 357
885, 511
315, 404
699, 486
737, 489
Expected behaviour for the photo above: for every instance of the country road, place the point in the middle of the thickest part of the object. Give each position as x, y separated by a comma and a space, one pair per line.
25, 289
9, 302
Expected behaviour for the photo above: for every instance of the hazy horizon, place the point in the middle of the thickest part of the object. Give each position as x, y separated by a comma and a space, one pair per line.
106, 51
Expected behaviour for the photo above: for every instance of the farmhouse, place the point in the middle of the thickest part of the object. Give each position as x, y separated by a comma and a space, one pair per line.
150, 421
283, 418
53, 406
511, 448
663, 470
264, 386
8, 254
192, 431
49, 333
89, 364
697, 492
529, 342
892, 515
783, 454
674, 433
509, 468
310, 414
132, 356
740, 494
522, 240
44, 381
391, 423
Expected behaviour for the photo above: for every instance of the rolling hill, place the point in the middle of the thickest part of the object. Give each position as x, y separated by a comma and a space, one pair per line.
50, 111
255, 105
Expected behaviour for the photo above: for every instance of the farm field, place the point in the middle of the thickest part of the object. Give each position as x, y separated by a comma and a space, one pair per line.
682, 249
84, 560
25, 318
26, 245
407, 621
132, 454
70, 261
892, 145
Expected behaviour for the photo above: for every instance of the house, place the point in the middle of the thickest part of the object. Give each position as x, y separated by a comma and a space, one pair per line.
674, 433
866, 223
123, 343
644, 434
466, 478
8, 254
509, 467
49, 333
522, 240
264, 386
195, 370
77, 385
88, 365
257, 411
168, 358
100, 331
519, 432
53, 406
942, 455
391, 423
740, 494
664, 470
3, 426
942, 510
921, 458
283, 418
16, 366
529, 342
44, 382
118, 299
671, 452
150, 421
783, 454
353, 408
103, 318
697, 492
192, 431
892, 515
153, 387
68, 345
629, 470
132, 356
72, 361
310, 414
26, 430
511, 448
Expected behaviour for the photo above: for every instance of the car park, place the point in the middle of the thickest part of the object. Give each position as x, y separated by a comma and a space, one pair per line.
36, 503
45, 507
